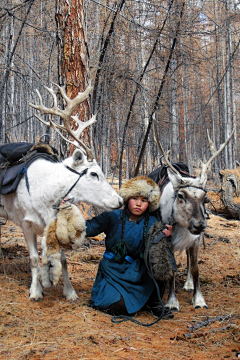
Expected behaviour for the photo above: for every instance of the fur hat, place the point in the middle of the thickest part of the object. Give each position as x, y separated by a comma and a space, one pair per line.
141, 186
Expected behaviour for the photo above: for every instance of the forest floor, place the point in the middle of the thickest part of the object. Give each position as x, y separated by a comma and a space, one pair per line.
56, 329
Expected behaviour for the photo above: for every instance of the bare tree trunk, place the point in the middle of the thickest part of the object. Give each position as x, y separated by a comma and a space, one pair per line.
229, 90
225, 60
134, 98
8, 61
104, 48
160, 89
174, 113
219, 135
233, 107
72, 51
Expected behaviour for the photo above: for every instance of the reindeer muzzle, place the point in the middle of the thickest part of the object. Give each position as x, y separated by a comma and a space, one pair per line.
197, 227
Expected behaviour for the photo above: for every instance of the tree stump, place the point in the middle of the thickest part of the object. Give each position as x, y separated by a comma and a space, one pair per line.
230, 185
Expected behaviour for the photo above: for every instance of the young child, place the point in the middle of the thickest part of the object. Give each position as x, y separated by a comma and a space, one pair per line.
122, 284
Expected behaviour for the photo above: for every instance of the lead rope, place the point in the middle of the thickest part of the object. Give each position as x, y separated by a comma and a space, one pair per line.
121, 318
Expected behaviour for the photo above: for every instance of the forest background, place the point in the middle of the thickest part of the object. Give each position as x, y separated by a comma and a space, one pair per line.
173, 62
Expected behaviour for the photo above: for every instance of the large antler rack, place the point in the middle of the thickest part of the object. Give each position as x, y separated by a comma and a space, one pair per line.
214, 152
66, 116
164, 154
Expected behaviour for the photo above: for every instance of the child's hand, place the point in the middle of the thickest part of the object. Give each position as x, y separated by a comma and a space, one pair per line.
168, 231
63, 201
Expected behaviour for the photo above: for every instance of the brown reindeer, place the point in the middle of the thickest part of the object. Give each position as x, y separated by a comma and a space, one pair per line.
182, 206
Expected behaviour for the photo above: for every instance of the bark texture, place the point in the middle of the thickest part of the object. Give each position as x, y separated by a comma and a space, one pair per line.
72, 51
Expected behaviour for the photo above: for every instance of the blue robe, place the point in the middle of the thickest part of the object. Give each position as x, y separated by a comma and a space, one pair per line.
113, 280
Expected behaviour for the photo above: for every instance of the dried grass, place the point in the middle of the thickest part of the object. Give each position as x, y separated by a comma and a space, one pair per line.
57, 330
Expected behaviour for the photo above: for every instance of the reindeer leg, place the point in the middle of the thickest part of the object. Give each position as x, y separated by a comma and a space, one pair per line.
46, 282
198, 299
31, 240
68, 290
172, 301
188, 285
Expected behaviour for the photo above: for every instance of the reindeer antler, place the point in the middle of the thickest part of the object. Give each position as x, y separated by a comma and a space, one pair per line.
65, 114
214, 154
163, 152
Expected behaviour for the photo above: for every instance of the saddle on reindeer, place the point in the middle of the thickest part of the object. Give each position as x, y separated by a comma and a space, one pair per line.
15, 158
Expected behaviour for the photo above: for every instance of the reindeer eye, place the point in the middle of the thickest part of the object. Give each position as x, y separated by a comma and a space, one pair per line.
206, 200
181, 197
95, 175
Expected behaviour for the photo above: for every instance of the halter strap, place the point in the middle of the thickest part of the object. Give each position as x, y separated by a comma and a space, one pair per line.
80, 174
193, 186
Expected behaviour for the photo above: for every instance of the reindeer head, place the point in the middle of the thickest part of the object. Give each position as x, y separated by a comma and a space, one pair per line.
182, 201
189, 198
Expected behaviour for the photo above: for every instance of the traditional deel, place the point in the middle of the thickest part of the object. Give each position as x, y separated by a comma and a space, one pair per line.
122, 271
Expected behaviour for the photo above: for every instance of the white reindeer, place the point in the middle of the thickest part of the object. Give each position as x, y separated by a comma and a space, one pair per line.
182, 206
78, 177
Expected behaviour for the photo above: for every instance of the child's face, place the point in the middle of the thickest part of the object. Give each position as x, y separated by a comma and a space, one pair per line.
137, 205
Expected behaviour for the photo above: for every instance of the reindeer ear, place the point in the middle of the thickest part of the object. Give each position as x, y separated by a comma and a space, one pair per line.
78, 157
175, 178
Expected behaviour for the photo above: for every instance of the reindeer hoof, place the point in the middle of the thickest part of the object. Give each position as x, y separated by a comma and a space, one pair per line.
36, 299
201, 307
74, 301
172, 304
175, 309
72, 297
171, 308
36, 294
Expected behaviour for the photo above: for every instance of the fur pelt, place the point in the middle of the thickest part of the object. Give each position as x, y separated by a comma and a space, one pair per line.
70, 226
43, 148
67, 230
158, 257
141, 186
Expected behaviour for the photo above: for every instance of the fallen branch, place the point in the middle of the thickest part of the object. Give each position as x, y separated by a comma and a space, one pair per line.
199, 334
209, 321
74, 262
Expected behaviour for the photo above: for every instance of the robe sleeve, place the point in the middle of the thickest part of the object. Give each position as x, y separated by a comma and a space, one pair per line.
97, 225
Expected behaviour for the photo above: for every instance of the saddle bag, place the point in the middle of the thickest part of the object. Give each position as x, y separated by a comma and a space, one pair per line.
160, 175
158, 257
12, 152
15, 152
